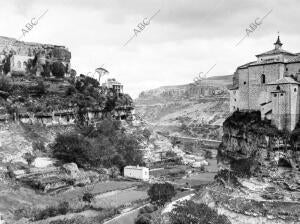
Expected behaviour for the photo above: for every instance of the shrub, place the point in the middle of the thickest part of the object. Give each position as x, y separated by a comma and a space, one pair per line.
29, 158
143, 219
161, 193
227, 177
39, 146
114, 172
148, 209
88, 197
193, 213
51, 211
146, 133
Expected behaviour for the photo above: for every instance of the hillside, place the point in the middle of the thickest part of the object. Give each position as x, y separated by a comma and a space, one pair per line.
187, 110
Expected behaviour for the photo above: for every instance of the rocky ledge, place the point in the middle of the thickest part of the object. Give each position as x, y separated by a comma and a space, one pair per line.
259, 177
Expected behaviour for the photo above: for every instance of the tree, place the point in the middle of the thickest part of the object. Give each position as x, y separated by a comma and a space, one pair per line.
161, 193
88, 197
193, 213
29, 158
107, 145
146, 133
143, 219
72, 148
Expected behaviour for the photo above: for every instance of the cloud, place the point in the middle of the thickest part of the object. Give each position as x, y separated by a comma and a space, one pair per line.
185, 38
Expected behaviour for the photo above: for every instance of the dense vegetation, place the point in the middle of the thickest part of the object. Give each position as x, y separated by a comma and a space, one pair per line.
193, 213
39, 95
105, 146
161, 193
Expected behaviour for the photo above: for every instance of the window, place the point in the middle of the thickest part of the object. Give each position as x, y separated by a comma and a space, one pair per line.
245, 83
286, 69
281, 94
295, 90
263, 79
275, 94
278, 88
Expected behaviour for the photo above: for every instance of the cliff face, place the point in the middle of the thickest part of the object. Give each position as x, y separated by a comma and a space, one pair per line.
259, 179
256, 145
188, 110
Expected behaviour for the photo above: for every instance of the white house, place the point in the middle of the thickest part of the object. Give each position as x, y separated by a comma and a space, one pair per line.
137, 172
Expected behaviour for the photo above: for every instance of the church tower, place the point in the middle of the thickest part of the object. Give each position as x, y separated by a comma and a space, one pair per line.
278, 43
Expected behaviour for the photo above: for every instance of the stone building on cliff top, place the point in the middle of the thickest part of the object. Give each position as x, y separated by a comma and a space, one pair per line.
270, 85
21, 52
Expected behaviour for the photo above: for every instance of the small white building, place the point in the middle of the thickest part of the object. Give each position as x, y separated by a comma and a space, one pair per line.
113, 84
137, 172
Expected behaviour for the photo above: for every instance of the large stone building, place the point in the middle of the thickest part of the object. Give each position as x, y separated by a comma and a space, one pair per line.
18, 54
271, 85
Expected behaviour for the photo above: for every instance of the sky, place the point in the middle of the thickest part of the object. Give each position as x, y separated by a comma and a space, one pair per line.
184, 38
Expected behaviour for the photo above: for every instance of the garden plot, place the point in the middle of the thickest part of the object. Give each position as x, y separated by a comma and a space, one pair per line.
118, 198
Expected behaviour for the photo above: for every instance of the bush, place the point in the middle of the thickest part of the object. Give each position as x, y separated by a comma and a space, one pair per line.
39, 146
193, 213
88, 197
29, 158
148, 209
161, 193
227, 177
114, 172
143, 219
51, 211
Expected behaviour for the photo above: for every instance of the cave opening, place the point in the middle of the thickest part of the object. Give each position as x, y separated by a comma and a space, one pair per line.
284, 163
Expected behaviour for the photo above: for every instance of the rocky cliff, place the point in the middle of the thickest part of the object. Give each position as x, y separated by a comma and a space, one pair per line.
259, 177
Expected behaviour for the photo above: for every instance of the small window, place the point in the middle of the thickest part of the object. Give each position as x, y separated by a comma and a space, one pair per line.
245, 83
275, 94
286, 69
295, 90
281, 94
235, 100
263, 79
278, 88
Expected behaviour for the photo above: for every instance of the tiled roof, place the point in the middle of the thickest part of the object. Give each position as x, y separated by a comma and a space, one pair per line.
276, 51
284, 80
247, 64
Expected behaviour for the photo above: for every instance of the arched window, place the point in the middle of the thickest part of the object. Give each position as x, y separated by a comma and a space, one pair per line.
263, 79
278, 88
